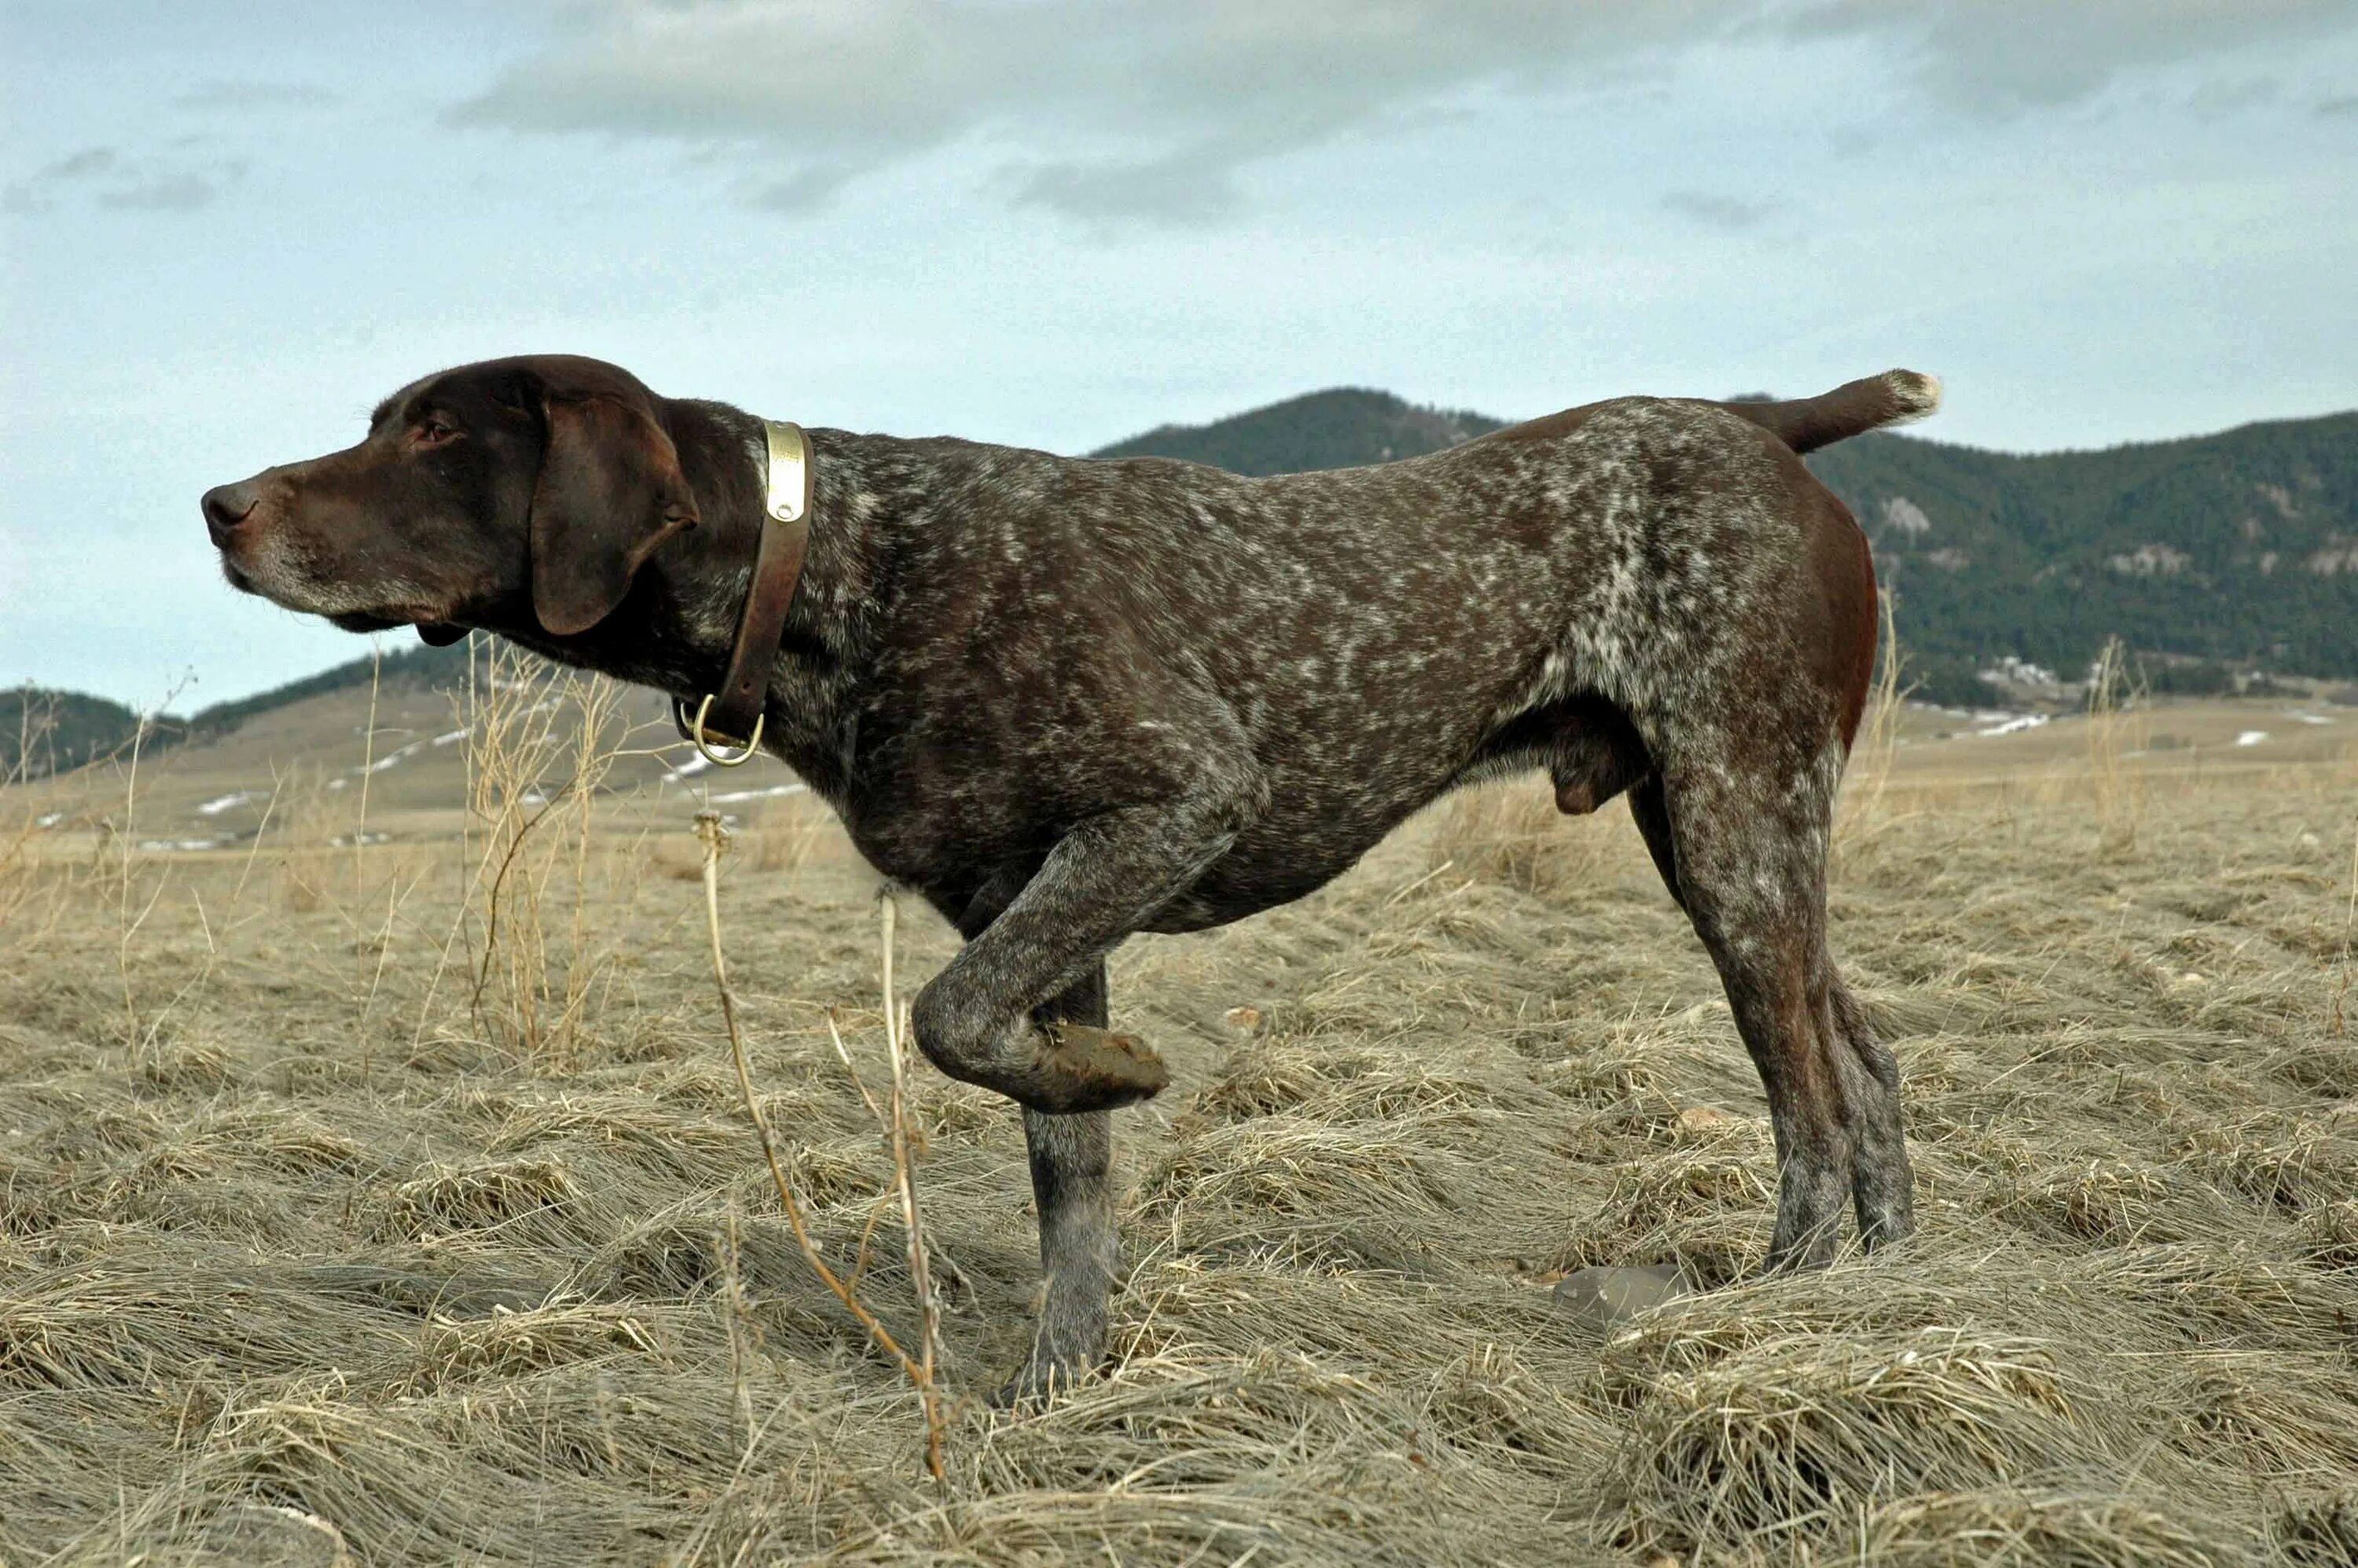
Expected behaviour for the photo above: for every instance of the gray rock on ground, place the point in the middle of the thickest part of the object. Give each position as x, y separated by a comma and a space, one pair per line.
1605, 1298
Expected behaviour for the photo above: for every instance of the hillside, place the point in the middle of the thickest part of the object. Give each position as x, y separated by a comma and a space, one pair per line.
45, 731
1341, 427
2240, 546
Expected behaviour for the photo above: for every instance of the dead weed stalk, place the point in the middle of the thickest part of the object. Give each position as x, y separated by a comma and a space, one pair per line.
918, 1368
2115, 727
539, 745
2341, 1027
904, 1173
128, 867
1876, 747
20, 879
1510, 832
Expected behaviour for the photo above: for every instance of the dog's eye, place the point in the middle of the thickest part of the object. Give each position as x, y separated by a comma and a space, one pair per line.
434, 432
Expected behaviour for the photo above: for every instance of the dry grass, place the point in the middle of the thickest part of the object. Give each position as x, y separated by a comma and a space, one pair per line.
786, 833
2116, 726
1513, 834
18, 882
2340, 1028
1875, 750
298, 1255
540, 741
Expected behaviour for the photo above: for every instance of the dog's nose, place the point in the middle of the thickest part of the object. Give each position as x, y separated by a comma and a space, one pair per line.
226, 506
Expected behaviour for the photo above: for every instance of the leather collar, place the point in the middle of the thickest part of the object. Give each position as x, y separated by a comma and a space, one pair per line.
732, 716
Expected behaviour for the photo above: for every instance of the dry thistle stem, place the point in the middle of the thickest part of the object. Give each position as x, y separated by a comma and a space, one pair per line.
2113, 695
715, 839
905, 1173
2349, 925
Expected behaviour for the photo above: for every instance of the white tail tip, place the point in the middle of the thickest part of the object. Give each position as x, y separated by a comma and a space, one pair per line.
1918, 394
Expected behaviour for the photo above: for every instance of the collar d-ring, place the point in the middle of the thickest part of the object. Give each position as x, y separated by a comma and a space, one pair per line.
705, 743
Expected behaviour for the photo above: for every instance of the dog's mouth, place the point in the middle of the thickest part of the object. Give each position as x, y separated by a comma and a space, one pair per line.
357, 621
247, 581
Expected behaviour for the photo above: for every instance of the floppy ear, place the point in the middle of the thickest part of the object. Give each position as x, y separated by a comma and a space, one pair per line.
610, 491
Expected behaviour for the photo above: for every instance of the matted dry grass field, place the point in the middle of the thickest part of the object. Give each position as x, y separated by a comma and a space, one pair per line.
324, 1239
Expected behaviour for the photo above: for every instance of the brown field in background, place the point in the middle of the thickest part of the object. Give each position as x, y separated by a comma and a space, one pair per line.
374, 1185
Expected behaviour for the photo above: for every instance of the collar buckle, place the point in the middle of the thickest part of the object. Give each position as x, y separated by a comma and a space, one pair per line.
736, 709
789, 480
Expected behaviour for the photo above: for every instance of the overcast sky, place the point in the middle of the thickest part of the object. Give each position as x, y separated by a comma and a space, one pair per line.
1060, 222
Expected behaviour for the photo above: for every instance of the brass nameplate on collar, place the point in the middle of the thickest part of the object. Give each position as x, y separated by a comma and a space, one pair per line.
789, 470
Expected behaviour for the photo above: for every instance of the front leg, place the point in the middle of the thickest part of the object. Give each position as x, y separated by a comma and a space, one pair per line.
1072, 1186
977, 1020
1021, 1010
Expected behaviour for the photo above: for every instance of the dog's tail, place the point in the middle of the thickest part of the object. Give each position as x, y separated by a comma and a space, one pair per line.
1805, 424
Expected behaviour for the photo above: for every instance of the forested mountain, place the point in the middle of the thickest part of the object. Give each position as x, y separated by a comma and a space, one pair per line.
55, 731
2241, 547
1339, 428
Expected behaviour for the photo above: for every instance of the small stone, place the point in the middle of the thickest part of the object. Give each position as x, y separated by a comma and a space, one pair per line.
270, 1536
1605, 1298
1244, 1020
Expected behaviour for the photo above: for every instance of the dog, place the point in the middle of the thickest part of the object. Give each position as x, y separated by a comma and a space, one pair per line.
1069, 699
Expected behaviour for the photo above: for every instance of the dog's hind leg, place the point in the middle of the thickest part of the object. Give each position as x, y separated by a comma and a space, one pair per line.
1652, 816
1748, 827
1883, 1187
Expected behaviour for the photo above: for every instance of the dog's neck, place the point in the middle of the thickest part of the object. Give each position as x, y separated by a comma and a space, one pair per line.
679, 624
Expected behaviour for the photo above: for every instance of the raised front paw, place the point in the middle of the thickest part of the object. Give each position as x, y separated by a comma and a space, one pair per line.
1086, 1068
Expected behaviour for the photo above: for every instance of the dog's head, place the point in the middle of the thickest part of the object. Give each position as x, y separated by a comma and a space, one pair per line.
534, 486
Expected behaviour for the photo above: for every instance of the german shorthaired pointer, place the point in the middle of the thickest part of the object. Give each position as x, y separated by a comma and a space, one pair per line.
1070, 699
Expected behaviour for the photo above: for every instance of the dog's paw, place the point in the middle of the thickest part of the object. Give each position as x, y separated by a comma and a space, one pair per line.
1085, 1068
1039, 1383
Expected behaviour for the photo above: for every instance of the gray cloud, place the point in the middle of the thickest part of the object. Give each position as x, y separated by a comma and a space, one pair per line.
1123, 110
245, 96
2007, 56
1198, 185
2339, 106
1713, 211
121, 183
179, 192
82, 165
37, 191
1109, 109
2217, 100
808, 188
